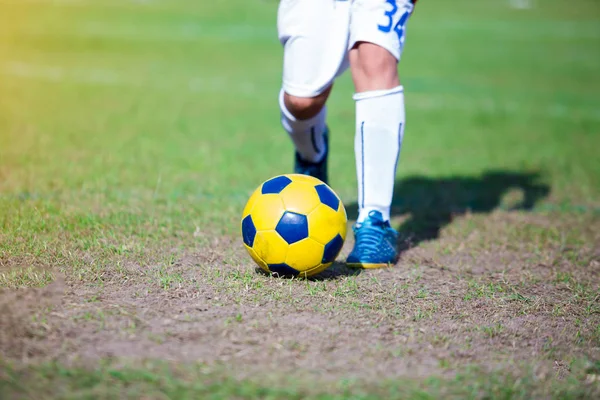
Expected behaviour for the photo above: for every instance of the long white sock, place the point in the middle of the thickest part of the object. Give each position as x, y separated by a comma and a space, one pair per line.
380, 120
307, 134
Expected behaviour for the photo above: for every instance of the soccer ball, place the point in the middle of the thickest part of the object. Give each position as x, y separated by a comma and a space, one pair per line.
294, 225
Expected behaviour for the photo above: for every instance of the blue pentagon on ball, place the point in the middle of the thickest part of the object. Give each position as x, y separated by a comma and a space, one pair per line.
332, 249
292, 227
327, 197
248, 231
275, 185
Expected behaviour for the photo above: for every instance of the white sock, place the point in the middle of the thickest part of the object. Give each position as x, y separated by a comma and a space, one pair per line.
307, 134
379, 129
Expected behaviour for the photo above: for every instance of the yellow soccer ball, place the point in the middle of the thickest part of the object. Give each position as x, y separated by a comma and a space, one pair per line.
294, 225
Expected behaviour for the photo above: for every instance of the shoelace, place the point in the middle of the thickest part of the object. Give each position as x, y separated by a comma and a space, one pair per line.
367, 238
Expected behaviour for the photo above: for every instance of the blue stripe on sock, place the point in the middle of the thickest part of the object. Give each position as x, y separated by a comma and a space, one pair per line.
399, 148
362, 164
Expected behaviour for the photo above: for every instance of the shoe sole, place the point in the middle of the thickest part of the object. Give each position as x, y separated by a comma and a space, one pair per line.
368, 265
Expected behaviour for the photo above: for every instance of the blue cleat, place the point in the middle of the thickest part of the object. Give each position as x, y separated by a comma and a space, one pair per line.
375, 245
316, 170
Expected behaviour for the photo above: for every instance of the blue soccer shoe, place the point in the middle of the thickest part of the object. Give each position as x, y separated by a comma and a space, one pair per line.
375, 243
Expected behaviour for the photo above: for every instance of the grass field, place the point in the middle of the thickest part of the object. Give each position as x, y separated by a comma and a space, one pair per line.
133, 132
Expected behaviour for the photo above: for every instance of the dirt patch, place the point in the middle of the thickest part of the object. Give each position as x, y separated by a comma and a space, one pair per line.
24, 329
458, 301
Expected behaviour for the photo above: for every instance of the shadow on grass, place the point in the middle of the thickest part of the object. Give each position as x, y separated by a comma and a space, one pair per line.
337, 270
432, 203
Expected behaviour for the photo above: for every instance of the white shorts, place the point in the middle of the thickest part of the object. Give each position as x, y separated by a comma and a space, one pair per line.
317, 34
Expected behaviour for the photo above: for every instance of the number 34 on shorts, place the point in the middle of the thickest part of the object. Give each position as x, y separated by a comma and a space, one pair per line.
397, 27
382, 22
317, 35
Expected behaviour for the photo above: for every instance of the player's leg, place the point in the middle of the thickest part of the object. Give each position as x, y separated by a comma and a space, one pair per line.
314, 34
377, 38
304, 119
380, 119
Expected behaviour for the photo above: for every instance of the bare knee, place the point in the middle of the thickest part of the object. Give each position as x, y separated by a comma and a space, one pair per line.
373, 67
305, 107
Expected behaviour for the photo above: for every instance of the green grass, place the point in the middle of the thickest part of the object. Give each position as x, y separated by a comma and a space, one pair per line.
132, 133
25, 277
162, 381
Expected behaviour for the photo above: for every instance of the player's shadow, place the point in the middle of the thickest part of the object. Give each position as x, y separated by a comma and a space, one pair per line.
432, 203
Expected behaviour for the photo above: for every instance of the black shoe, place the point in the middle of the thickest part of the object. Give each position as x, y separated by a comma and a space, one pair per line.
317, 170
